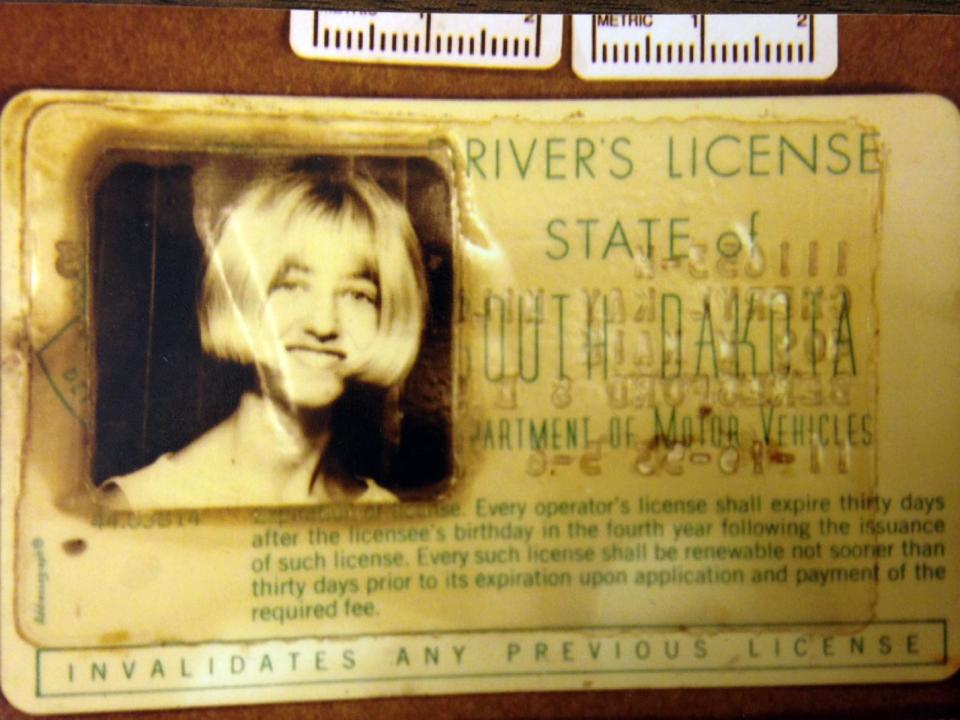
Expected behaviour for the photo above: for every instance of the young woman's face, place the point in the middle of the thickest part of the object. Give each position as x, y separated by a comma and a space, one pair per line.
321, 312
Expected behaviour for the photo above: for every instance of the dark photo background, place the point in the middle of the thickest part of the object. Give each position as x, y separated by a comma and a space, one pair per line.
155, 389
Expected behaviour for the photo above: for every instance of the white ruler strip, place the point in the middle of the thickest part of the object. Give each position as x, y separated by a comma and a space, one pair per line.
462, 40
707, 47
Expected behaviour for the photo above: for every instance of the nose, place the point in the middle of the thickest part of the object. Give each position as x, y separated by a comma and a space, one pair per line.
321, 319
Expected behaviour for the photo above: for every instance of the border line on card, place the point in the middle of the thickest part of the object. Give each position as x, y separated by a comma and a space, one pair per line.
943, 660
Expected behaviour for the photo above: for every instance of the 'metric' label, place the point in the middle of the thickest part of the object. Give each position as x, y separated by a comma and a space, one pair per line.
704, 47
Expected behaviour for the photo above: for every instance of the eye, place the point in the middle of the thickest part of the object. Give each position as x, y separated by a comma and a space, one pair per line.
362, 291
362, 296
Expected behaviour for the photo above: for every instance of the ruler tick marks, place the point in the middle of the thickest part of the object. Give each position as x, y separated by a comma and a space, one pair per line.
703, 37
811, 38
484, 40
703, 46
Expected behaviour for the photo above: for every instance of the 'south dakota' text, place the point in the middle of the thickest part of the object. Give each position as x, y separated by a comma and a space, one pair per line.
782, 333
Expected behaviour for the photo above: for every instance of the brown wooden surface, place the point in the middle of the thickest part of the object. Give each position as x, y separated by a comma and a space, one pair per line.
580, 6
246, 51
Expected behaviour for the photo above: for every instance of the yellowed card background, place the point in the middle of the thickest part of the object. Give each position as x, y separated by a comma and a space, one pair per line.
196, 573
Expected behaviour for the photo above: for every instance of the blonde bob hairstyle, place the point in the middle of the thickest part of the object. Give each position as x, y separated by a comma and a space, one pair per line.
245, 248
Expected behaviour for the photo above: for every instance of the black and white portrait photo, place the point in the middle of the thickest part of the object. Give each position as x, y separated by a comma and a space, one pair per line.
271, 331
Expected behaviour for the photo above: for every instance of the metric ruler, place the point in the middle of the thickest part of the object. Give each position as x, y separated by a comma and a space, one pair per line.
705, 47
465, 39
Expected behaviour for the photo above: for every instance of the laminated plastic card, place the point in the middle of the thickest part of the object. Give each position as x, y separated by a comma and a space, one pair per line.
336, 398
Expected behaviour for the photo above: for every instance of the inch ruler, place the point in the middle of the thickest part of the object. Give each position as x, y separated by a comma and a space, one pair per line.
704, 47
457, 39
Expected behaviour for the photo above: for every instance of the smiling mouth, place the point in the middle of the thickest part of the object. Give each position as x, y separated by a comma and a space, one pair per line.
319, 351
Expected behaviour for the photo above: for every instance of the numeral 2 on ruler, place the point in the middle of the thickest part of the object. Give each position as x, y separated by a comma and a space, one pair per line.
623, 46
472, 40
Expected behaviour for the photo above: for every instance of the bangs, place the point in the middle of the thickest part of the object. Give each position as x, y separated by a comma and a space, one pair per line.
346, 230
278, 231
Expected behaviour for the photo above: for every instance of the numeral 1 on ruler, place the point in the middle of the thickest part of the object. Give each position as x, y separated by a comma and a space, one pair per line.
709, 47
467, 39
